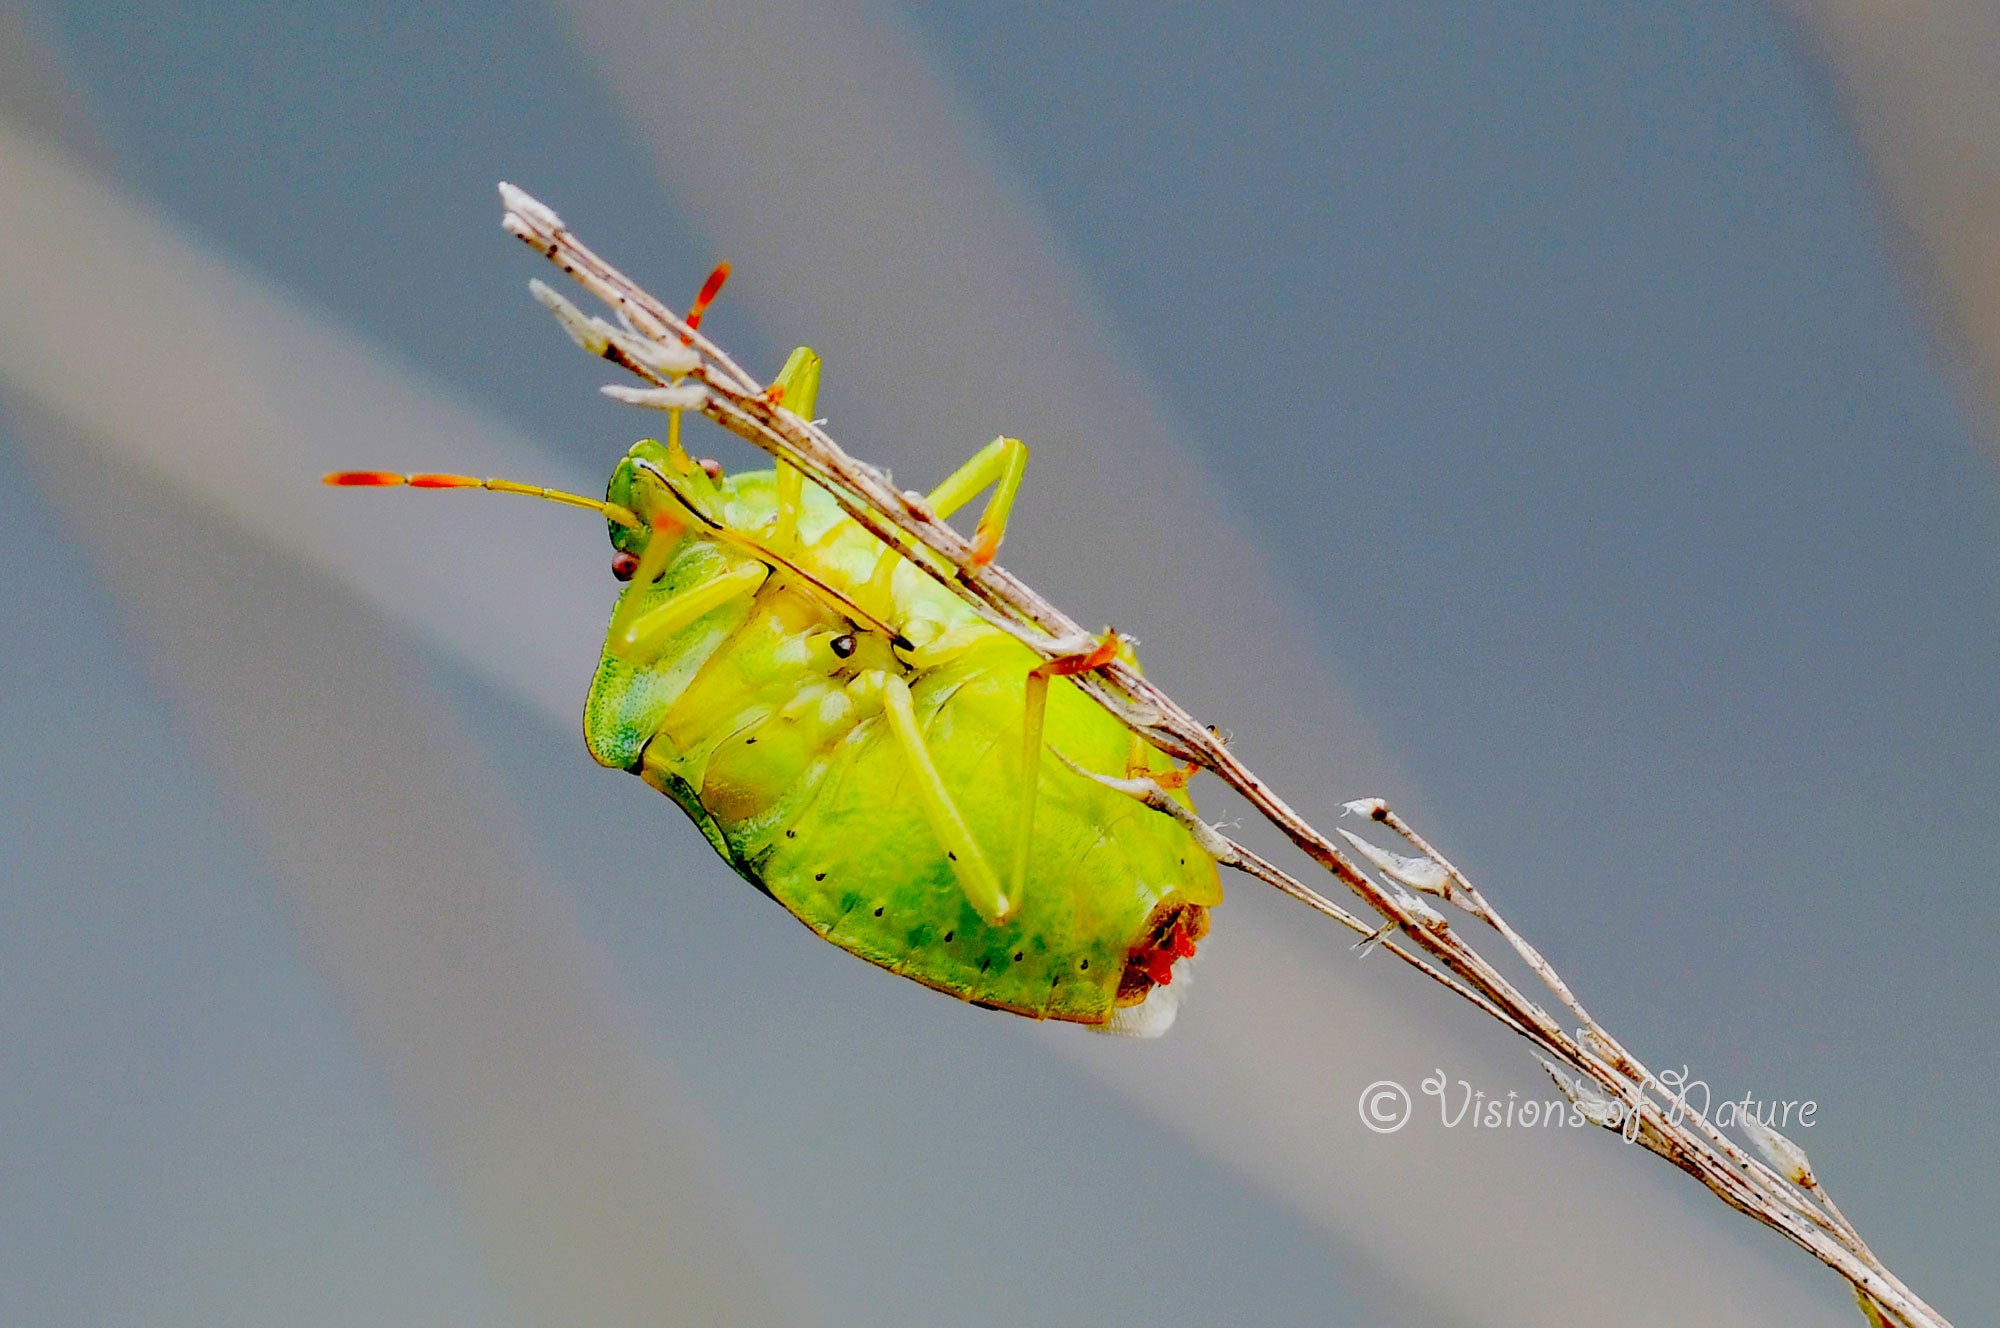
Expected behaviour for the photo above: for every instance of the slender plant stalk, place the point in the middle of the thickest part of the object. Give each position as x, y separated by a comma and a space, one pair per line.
683, 370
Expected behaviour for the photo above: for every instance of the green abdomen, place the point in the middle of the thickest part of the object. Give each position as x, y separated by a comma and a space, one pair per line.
810, 799
863, 869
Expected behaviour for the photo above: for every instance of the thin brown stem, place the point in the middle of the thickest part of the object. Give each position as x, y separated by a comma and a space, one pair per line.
1606, 1073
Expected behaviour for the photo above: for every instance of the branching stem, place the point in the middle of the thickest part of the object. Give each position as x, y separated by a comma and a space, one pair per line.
1802, 1212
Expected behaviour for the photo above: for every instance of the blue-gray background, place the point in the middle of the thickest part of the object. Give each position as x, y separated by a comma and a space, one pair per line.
1552, 359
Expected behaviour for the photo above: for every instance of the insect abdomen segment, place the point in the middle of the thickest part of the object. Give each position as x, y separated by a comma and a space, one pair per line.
864, 869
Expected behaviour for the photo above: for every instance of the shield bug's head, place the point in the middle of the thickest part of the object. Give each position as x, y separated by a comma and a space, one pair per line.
665, 491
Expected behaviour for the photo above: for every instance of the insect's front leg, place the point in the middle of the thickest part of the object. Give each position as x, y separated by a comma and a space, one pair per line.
645, 635
969, 862
797, 389
1001, 463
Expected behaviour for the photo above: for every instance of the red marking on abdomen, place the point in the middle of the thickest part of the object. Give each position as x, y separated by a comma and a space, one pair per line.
1171, 933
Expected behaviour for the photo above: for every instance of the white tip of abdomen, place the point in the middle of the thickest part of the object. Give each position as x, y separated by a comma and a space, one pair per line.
1154, 1015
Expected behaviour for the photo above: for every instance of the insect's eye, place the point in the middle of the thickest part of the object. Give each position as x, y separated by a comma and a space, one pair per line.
843, 645
710, 467
623, 565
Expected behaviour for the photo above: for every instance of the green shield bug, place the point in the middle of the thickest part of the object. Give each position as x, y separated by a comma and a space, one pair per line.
861, 746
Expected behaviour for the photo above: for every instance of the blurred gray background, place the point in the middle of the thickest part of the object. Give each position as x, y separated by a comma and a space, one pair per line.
1569, 424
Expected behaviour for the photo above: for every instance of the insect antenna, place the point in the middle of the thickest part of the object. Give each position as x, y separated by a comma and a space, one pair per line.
709, 290
389, 479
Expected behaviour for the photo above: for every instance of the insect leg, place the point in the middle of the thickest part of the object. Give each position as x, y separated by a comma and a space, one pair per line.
1000, 463
796, 388
975, 874
1141, 760
1034, 712
644, 637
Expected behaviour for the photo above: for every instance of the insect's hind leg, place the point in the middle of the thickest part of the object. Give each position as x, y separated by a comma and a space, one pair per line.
969, 862
1034, 711
1142, 760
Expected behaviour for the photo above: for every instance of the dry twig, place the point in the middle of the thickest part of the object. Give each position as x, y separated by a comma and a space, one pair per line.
685, 370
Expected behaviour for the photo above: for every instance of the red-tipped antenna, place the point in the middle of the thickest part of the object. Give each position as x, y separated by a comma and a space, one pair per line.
389, 479
364, 479
709, 290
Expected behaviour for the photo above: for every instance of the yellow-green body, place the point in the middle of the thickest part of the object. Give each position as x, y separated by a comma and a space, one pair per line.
777, 744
